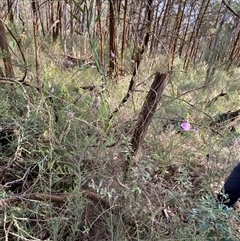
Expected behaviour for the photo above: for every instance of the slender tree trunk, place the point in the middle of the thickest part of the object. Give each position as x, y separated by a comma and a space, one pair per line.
99, 5
233, 51
41, 20
159, 27
71, 19
137, 27
112, 39
5, 50
184, 41
52, 21
48, 16
59, 16
124, 36
36, 44
154, 33
10, 11
166, 24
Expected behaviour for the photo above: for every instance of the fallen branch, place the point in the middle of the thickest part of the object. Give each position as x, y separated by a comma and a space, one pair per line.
55, 198
61, 199
226, 118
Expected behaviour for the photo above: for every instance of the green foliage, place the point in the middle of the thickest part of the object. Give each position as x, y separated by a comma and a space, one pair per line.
214, 220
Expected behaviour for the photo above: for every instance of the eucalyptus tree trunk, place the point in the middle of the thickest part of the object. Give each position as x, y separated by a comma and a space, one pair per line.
156, 22
137, 26
5, 50
113, 66
10, 10
36, 42
52, 21
234, 51
41, 16
166, 25
124, 36
145, 118
56, 20
101, 35
183, 45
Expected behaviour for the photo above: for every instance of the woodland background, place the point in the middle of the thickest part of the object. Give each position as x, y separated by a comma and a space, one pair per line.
95, 99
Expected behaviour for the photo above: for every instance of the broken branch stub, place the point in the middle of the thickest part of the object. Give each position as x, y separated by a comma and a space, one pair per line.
148, 109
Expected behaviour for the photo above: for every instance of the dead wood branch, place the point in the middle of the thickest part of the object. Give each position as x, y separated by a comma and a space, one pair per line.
148, 110
61, 199
56, 198
223, 119
211, 102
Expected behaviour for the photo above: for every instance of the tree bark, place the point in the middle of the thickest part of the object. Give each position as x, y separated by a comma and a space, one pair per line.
176, 31
36, 44
124, 37
112, 39
99, 6
5, 50
10, 11
145, 117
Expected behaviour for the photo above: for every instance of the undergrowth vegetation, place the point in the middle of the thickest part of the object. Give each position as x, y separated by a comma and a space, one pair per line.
58, 144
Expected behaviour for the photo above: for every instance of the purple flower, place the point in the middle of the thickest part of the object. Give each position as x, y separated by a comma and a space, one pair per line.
195, 129
112, 55
51, 89
186, 126
70, 115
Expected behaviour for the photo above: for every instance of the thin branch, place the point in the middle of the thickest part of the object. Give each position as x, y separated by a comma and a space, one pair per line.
6, 80
8, 184
20, 49
230, 9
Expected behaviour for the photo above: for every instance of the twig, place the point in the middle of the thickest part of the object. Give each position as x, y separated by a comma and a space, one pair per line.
230, 9
5, 80
21, 51
8, 184
165, 213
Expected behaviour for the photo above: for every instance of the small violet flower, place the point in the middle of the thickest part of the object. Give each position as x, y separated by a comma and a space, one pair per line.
70, 115
51, 90
112, 55
186, 126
